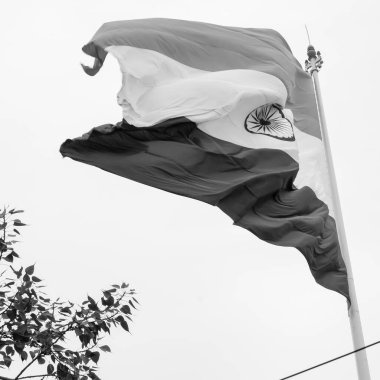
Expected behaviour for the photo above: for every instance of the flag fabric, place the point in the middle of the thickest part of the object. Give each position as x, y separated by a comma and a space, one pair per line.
224, 115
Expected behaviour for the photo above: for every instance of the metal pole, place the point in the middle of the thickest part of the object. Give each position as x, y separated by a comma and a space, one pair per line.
313, 64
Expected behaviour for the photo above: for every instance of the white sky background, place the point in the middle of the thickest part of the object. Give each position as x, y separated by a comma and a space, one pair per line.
216, 302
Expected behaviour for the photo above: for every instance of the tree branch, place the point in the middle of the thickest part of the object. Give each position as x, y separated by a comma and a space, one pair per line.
27, 366
44, 375
27, 377
42, 353
5, 378
4, 233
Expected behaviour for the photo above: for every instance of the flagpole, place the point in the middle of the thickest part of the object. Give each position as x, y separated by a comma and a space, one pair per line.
312, 65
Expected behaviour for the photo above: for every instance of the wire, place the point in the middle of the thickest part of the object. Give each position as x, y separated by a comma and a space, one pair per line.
329, 361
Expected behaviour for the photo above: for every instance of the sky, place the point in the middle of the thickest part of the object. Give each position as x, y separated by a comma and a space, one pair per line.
216, 302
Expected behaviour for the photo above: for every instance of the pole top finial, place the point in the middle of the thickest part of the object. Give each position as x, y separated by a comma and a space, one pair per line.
314, 61
311, 53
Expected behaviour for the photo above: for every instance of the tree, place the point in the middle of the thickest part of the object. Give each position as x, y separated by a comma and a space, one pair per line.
34, 327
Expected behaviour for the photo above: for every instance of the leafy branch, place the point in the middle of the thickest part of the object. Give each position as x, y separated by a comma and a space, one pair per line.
34, 328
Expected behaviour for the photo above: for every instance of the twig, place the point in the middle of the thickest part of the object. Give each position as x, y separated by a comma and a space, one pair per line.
44, 375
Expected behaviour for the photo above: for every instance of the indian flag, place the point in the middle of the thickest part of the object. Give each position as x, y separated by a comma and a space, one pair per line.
224, 115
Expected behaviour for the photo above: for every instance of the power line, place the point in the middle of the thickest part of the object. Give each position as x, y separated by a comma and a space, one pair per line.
331, 360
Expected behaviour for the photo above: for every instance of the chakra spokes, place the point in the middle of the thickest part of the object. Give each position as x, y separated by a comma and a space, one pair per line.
269, 120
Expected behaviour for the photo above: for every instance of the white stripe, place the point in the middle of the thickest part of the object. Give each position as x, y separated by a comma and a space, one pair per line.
313, 171
156, 88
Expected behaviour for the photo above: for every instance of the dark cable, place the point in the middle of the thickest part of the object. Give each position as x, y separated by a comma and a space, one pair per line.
329, 361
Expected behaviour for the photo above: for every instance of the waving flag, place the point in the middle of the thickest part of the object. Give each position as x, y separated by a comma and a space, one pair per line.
224, 115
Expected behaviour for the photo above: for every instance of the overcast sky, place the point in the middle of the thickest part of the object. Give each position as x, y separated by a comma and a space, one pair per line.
216, 302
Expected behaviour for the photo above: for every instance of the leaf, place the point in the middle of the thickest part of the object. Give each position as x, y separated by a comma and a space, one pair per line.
108, 301
11, 314
106, 293
123, 323
24, 355
41, 360
7, 361
93, 307
29, 270
126, 309
17, 273
36, 279
57, 347
93, 376
95, 356
124, 285
50, 369
62, 371
85, 339
17, 232
15, 211
18, 223
66, 310
9, 258
105, 348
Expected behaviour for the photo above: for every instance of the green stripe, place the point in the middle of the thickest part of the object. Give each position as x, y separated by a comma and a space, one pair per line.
253, 186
